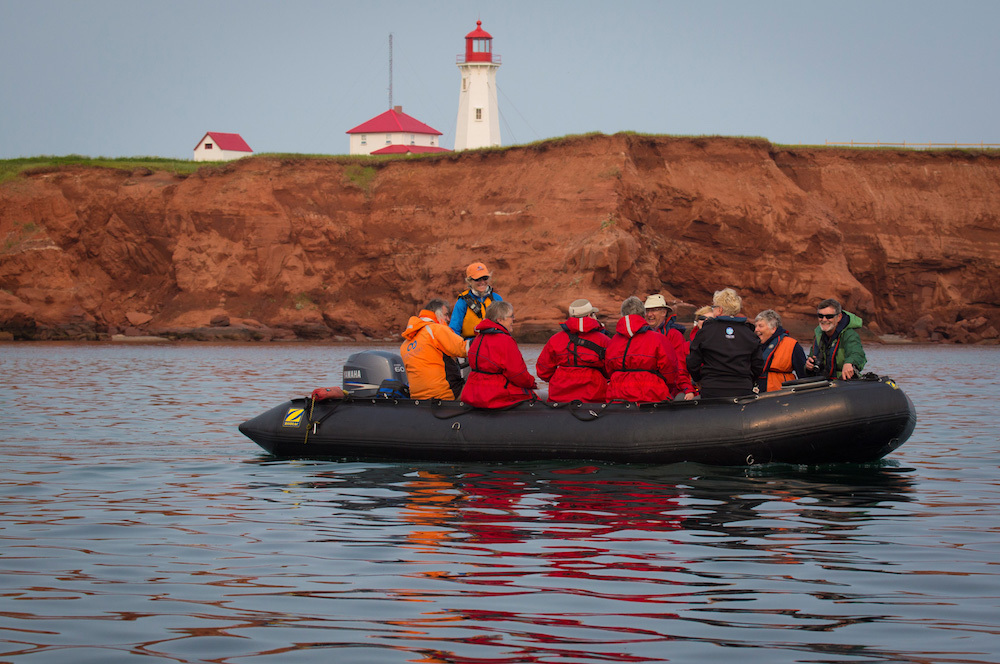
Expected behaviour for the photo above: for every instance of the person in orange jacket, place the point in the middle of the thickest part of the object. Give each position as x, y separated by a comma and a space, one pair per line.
428, 351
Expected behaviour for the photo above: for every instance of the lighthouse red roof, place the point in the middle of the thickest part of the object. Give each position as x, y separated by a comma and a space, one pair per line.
478, 47
479, 33
393, 120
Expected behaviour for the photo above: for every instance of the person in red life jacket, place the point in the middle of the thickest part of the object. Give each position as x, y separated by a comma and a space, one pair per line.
572, 361
660, 318
428, 351
642, 365
725, 356
499, 377
784, 358
473, 301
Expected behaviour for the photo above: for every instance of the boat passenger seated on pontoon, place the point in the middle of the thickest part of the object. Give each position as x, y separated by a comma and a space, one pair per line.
499, 377
572, 361
642, 365
725, 356
784, 358
429, 350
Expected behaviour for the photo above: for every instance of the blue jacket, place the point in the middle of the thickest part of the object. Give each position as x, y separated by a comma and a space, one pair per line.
461, 308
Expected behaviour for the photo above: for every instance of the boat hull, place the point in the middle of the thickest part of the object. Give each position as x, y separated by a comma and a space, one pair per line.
815, 423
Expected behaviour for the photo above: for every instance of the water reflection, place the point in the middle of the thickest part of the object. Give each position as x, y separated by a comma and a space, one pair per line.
137, 524
714, 556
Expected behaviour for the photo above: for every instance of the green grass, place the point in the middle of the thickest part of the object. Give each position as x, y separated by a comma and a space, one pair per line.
361, 169
11, 168
361, 177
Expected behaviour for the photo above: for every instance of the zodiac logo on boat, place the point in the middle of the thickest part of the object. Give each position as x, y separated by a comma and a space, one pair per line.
293, 417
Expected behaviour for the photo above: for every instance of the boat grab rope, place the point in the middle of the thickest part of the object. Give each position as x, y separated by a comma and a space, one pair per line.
313, 425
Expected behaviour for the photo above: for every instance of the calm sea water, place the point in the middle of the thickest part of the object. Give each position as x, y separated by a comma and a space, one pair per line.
138, 525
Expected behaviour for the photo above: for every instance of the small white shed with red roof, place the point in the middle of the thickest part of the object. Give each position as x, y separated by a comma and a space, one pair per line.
394, 132
219, 146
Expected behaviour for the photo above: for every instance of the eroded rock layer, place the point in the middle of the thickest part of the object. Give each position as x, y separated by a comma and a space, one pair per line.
279, 248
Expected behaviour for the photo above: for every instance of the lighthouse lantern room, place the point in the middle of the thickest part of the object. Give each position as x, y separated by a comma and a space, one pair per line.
478, 124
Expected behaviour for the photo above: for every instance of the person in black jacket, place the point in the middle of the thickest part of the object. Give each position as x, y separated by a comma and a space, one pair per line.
725, 356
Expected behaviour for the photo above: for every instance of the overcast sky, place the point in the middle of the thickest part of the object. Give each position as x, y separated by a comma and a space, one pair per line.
130, 78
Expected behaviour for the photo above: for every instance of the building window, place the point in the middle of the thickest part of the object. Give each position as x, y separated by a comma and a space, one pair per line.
413, 139
479, 114
465, 84
388, 139
432, 140
208, 146
364, 139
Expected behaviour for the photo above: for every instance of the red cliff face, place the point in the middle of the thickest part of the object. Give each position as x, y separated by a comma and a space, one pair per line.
324, 248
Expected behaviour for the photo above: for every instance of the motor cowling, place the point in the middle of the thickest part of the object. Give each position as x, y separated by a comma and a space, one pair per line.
365, 372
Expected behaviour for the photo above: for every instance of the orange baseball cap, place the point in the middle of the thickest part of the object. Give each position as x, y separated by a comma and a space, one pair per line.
476, 270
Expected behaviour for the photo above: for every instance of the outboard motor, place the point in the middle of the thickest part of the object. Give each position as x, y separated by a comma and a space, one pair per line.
375, 373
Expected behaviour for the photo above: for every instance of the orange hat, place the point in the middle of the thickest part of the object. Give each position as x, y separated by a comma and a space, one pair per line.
476, 270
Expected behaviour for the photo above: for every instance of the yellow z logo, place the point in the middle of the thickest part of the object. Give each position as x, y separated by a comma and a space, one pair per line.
293, 417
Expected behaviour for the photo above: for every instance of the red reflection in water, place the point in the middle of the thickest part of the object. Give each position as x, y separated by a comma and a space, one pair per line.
495, 509
480, 512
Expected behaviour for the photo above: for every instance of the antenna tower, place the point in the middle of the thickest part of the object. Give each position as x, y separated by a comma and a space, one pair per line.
390, 70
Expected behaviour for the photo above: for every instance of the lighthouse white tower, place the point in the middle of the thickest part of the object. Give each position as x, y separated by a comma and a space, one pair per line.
478, 123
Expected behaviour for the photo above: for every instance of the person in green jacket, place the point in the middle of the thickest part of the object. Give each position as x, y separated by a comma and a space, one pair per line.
836, 350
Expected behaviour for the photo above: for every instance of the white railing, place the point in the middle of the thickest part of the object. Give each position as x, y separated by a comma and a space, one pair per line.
460, 59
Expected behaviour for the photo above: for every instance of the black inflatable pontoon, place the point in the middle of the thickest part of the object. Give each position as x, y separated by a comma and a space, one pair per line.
811, 421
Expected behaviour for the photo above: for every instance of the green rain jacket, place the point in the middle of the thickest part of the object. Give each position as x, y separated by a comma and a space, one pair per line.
844, 347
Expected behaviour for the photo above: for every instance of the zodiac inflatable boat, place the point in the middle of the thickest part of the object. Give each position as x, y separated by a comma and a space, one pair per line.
808, 421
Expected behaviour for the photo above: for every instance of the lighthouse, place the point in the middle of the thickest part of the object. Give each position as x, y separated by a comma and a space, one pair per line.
478, 123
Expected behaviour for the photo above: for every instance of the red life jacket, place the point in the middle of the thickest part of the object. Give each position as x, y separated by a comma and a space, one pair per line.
642, 365
499, 376
572, 362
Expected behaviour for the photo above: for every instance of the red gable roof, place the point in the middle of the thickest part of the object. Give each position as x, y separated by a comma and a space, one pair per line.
393, 121
414, 149
225, 141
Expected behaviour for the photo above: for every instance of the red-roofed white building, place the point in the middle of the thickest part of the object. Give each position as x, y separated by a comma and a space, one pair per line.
397, 130
219, 146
